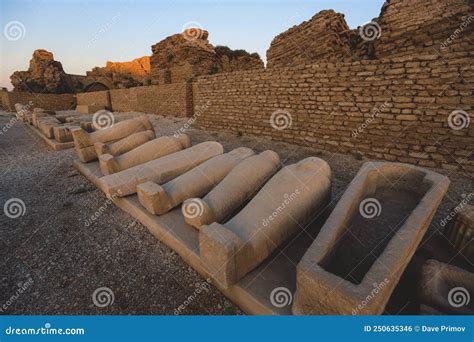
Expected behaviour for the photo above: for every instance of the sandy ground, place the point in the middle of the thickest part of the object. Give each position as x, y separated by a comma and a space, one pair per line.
51, 262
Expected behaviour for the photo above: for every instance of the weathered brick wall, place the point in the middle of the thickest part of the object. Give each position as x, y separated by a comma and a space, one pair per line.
165, 99
324, 37
45, 101
394, 109
101, 98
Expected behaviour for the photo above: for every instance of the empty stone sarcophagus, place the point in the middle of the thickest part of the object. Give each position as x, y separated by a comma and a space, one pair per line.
159, 199
117, 131
150, 150
357, 259
124, 145
460, 231
231, 193
447, 288
46, 126
283, 207
160, 170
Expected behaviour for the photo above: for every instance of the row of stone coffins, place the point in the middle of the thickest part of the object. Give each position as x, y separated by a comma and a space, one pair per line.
54, 125
245, 206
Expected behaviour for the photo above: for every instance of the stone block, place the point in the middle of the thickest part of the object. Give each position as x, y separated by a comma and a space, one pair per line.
124, 145
89, 109
160, 170
242, 182
283, 207
159, 199
150, 150
447, 288
117, 131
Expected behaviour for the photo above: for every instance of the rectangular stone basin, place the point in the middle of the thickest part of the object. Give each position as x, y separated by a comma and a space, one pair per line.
363, 248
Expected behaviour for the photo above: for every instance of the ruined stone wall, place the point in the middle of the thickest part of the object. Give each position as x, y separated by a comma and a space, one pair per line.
101, 98
45, 101
164, 99
395, 109
324, 37
425, 26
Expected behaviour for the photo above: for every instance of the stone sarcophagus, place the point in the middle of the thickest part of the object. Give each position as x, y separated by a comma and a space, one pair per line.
84, 141
242, 183
159, 199
355, 262
150, 150
460, 231
283, 207
160, 170
447, 288
124, 145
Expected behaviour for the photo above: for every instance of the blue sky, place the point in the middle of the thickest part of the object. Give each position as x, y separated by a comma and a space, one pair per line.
84, 34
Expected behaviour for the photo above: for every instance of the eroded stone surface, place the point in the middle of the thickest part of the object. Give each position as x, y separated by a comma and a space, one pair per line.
160, 170
461, 231
194, 183
124, 145
284, 206
118, 131
447, 288
150, 150
242, 182
338, 275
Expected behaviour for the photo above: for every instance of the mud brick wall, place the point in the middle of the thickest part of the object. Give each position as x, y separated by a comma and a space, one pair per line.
101, 98
425, 26
45, 101
165, 99
395, 109
323, 37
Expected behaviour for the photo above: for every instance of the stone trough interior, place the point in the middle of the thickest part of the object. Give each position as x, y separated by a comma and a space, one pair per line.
366, 237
